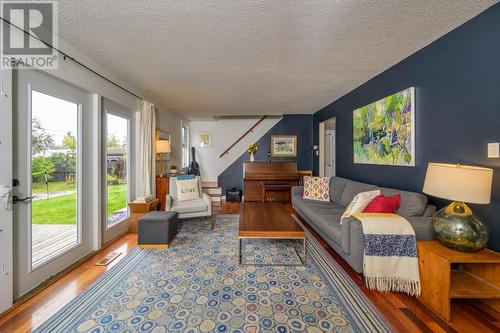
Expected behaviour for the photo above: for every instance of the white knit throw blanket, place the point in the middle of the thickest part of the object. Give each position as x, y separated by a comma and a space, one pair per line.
390, 259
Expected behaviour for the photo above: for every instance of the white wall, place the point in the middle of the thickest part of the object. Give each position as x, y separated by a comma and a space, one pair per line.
224, 132
171, 122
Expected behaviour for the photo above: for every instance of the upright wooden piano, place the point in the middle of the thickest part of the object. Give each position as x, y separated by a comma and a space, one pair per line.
256, 173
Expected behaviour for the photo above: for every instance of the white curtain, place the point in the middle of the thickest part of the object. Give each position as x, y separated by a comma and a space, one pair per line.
147, 160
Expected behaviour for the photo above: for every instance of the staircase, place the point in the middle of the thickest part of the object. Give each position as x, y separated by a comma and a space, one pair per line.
214, 191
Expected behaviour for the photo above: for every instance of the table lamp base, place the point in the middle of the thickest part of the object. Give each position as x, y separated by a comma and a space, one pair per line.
459, 229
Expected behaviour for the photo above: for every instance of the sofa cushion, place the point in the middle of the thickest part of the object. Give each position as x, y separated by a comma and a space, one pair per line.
429, 211
352, 188
312, 208
422, 226
322, 214
412, 203
298, 201
191, 206
359, 203
383, 204
316, 188
337, 187
330, 225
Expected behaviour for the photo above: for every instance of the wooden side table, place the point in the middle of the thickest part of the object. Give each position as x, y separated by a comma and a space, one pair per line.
474, 275
162, 189
138, 210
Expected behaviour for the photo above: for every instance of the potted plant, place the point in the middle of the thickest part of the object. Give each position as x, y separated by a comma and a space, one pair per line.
252, 149
173, 169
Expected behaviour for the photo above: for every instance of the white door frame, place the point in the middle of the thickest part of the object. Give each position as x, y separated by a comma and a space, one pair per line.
321, 132
330, 155
321, 149
6, 216
26, 277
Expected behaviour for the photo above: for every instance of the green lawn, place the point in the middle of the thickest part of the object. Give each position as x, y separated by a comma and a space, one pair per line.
62, 210
117, 198
40, 187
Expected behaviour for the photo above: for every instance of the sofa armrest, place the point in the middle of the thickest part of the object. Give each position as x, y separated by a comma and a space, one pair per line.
422, 226
429, 211
349, 223
297, 190
208, 201
168, 202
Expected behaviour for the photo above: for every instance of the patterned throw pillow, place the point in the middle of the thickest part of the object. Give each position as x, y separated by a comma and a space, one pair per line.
317, 188
359, 203
187, 189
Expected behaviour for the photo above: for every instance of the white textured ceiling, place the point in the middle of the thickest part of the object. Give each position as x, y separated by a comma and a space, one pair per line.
205, 58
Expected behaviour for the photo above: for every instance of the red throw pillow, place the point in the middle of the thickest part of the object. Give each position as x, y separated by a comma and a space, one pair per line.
383, 204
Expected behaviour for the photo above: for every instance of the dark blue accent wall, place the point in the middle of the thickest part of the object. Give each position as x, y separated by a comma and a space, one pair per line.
457, 80
300, 125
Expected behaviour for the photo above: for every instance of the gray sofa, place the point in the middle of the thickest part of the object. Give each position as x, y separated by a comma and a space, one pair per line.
347, 238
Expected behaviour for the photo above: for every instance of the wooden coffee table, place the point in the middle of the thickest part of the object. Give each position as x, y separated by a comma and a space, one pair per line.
269, 220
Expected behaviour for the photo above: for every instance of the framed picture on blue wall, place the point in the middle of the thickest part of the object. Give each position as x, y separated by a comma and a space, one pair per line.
384, 131
283, 145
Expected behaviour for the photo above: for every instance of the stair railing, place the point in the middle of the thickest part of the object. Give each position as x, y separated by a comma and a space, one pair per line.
241, 137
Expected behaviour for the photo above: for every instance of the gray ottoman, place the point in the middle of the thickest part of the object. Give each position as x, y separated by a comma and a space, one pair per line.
157, 229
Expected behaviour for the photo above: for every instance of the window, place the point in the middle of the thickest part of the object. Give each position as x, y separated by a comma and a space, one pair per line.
185, 146
117, 129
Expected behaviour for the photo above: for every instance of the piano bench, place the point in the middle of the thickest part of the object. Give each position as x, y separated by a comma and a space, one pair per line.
275, 187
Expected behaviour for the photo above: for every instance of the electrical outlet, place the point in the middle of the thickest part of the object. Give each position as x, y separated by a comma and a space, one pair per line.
494, 150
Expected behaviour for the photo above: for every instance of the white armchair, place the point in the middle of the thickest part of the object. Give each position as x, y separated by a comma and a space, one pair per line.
201, 206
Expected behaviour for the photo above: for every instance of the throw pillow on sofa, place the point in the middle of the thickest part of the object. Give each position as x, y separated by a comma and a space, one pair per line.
187, 189
316, 188
359, 203
383, 204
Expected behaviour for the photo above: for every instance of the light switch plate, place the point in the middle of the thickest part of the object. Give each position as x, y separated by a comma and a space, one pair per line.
494, 150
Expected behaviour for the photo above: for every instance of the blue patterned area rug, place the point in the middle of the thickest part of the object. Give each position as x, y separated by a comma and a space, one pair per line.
197, 286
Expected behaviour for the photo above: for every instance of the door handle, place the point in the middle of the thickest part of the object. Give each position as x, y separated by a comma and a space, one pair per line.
16, 199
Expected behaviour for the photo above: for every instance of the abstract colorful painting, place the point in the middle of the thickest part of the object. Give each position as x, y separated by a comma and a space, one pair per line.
384, 131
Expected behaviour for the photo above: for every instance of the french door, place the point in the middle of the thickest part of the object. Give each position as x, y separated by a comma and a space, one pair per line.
118, 185
54, 167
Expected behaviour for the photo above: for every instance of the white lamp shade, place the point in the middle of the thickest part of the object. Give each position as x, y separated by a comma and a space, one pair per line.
163, 146
459, 182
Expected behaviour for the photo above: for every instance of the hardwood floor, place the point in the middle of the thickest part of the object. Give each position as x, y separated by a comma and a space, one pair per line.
229, 208
405, 313
43, 305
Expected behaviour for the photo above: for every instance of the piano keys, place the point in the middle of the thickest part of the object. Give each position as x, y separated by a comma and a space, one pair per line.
256, 173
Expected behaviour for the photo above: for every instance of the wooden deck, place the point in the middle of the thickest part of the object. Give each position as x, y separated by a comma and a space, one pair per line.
49, 239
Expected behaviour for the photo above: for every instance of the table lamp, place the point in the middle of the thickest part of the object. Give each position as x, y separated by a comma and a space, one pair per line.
162, 147
455, 225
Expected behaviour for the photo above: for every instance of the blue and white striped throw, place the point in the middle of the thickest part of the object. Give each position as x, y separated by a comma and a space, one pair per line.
390, 259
